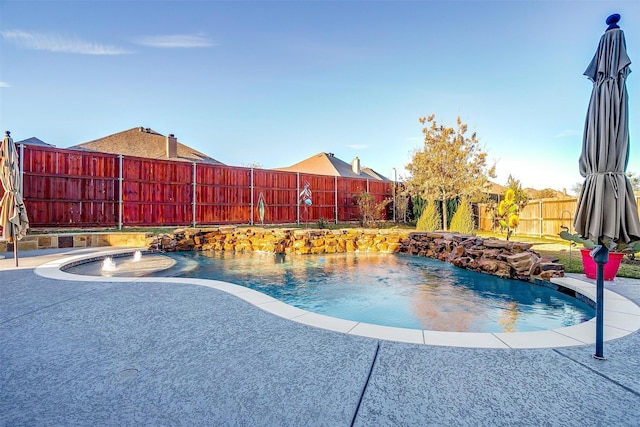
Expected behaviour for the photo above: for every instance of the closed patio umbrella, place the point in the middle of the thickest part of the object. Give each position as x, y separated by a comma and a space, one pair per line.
13, 215
607, 211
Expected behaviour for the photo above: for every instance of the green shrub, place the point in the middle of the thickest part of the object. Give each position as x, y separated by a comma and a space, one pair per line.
462, 221
322, 223
417, 207
430, 218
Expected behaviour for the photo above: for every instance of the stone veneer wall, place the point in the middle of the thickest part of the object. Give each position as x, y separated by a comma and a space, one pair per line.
79, 240
492, 256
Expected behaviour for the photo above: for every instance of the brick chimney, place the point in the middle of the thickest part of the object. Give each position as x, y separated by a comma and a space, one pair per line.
355, 165
172, 146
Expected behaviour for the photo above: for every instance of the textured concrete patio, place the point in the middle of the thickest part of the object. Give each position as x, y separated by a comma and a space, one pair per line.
162, 353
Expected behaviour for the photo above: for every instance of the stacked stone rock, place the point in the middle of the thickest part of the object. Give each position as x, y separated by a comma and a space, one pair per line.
281, 240
493, 256
498, 257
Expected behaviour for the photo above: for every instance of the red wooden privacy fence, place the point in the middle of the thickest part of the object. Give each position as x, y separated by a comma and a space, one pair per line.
72, 188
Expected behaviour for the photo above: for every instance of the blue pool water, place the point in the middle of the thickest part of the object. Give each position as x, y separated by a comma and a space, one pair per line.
388, 289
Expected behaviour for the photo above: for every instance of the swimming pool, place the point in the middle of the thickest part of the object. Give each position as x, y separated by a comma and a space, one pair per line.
387, 289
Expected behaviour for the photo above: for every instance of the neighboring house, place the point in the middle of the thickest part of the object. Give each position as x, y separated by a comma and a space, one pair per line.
145, 142
34, 141
495, 192
328, 164
547, 193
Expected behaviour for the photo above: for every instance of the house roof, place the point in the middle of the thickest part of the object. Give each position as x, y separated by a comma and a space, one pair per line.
374, 174
532, 193
547, 193
494, 188
34, 141
328, 164
144, 142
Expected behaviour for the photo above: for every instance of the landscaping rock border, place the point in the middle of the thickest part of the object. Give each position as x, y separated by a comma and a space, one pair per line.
513, 260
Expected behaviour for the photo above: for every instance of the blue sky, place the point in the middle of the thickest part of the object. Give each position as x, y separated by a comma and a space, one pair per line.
274, 82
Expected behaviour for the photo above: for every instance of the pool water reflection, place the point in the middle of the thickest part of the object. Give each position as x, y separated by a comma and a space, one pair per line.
391, 290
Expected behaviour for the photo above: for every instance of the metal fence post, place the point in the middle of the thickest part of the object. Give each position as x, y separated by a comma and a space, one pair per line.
251, 204
22, 169
394, 177
541, 219
193, 201
120, 187
335, 197
298, 198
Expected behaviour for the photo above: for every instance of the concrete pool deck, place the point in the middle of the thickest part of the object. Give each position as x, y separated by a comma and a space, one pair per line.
87, 352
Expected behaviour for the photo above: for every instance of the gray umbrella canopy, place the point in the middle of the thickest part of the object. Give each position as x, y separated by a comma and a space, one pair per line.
607, 209
13, 215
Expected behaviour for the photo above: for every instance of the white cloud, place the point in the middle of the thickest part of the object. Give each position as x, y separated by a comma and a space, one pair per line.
568, 132
175, 41
58, 43
358, 146
4, 84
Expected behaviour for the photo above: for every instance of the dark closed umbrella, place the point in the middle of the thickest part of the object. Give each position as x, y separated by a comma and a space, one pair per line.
13, 214
607, 210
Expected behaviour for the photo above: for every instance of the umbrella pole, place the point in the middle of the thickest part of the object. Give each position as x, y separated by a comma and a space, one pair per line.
15, 243
600, 255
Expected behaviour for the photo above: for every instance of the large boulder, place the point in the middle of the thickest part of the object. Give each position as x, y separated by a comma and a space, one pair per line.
498, 244
522, 261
